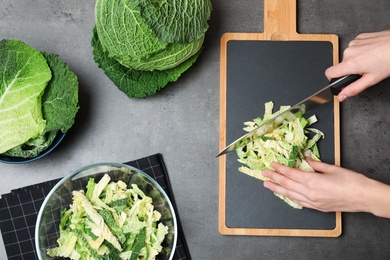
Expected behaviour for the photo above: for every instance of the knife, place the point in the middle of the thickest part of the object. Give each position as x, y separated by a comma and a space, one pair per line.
319, 98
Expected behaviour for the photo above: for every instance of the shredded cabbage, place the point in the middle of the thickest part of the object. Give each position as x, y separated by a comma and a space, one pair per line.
288, 144
110, 221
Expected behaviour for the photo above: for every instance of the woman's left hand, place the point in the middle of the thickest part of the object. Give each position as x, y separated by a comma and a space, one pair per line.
336, 189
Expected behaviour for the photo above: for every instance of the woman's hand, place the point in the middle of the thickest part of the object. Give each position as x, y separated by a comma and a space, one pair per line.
336, 189
368, 55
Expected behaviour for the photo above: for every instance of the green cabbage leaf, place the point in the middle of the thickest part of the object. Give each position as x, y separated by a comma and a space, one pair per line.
177, 21
137, 83
123, 32
60, 99
24, 74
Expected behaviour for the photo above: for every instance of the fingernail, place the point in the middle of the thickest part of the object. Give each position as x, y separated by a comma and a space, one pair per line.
264, 174
341, 98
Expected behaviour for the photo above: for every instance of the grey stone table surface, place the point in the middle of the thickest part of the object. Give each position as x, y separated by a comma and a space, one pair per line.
182, 122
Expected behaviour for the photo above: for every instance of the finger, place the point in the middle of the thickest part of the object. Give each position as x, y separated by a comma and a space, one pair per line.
350, 65
370, 35
319, 166
338, 70
282, 180
361, 44
365, 38
289, 172
356, 87
308, 204
292, 195
274, 176
296, 197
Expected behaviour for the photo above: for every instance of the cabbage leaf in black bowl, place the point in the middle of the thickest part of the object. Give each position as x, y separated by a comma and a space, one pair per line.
38, 101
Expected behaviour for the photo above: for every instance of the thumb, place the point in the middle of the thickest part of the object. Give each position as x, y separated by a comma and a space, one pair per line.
355, 88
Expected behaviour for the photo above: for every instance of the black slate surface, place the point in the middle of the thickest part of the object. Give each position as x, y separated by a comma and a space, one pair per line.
285, 73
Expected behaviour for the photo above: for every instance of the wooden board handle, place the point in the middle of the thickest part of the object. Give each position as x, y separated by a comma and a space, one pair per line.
280, 19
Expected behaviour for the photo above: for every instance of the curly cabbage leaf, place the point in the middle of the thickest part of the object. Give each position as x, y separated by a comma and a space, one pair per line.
177, 21
24, 75
60, 99
288, 144
137, 83
122, 31
173, 55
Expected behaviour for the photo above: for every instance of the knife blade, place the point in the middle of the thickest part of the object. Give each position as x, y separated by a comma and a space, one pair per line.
319, 98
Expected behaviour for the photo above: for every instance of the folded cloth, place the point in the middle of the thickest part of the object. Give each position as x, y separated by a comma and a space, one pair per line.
20, 207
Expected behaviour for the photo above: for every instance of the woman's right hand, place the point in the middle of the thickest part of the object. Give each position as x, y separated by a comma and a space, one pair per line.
368, 55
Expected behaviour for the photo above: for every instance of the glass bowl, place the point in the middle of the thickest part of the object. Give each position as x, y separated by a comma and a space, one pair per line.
47, 225
19, 160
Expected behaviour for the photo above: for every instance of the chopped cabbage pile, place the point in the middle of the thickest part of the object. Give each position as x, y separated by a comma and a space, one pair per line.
110, 221
288, 144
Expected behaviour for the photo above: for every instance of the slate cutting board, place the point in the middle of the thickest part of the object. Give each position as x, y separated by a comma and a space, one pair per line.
285, 67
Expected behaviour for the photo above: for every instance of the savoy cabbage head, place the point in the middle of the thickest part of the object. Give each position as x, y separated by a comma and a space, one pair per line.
149, 39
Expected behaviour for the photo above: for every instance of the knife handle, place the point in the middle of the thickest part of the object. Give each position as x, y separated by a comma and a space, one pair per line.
338, 84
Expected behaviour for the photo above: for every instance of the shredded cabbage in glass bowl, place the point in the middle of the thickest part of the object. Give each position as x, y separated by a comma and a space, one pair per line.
106, 210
